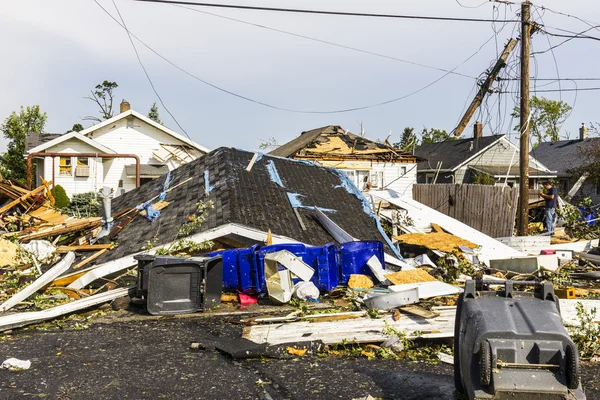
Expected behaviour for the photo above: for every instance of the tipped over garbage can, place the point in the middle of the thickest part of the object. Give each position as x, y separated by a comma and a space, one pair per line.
511, 344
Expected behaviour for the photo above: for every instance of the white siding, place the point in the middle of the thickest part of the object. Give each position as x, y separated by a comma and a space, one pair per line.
128, 136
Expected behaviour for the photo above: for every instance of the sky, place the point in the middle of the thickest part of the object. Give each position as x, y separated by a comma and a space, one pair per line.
55, 52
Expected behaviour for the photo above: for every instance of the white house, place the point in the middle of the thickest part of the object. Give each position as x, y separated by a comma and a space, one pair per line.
92, 159
367, 163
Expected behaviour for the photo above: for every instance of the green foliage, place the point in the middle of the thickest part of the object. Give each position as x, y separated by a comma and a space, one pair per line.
589, 162
83, 205
185, 247
574, 226
196, 220
268, 144
61, 200
435, 135
153, 114
547, 117
407, 140
76, 128
451, 266
481, 178
103, 97
16, 128
586, 334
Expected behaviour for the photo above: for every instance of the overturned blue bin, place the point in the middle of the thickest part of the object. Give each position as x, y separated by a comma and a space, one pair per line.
241, 270
354, 257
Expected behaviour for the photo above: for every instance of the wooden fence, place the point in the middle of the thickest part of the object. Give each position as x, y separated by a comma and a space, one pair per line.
489, 209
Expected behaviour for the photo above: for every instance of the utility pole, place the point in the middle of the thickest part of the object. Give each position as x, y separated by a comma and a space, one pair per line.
485, 87
523, 210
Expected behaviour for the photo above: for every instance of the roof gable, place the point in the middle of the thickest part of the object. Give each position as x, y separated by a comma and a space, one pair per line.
261, 198
148, 121
333, 141
453, 153
68, 136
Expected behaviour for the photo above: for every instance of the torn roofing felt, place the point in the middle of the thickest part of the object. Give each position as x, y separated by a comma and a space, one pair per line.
261, 198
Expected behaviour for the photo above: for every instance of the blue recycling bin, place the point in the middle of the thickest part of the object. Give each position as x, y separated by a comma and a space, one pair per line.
354, 257
241, 270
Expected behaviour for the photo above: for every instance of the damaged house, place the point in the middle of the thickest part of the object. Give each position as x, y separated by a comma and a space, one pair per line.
119, 153
464, 160
368, 164
251, 195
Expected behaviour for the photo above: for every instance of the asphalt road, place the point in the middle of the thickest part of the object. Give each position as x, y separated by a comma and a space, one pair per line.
137, 358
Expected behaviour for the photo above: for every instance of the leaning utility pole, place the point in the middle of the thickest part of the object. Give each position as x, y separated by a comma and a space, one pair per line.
485, 87
523, 210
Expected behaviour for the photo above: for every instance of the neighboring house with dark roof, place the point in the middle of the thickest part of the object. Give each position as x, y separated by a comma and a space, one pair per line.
362, 160
275, 194
459, 161
159, 148
564, 156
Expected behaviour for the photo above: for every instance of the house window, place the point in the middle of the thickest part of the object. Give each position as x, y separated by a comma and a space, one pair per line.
120, 183
402, 171
65, 166
82, 162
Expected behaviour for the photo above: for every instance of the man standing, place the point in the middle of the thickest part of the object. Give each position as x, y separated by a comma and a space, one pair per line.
551, 197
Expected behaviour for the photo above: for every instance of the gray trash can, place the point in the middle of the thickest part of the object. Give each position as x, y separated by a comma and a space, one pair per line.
510, 344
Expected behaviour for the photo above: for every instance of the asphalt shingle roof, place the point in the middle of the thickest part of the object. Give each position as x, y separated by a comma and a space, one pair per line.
451, 153
252, 199
35, 139
562, 155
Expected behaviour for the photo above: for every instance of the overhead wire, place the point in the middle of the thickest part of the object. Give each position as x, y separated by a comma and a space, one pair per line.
289, 109
137, 54
320, 12
323, 41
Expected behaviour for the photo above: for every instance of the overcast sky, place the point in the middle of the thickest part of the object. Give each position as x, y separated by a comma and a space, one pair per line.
54, 52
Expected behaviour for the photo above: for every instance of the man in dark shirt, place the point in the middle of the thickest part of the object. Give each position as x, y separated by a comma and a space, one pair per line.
551, 197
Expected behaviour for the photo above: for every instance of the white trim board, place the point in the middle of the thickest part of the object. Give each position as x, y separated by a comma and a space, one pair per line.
68, 136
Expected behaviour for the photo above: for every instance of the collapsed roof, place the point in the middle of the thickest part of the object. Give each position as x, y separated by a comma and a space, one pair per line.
266, 197
334, 142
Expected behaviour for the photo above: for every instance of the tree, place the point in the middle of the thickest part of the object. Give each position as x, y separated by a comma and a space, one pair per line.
435, 135
268, 144
547, 117
103, 97
76, 128
407, 140
153, 113
16, 128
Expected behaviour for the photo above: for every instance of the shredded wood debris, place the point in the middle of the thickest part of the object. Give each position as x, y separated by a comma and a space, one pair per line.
410, 276
435, 241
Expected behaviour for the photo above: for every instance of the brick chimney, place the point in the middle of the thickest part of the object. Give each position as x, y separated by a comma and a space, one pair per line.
125, 106
477, 130
583, 132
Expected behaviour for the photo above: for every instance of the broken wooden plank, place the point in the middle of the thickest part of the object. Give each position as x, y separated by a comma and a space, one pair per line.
21, 199
18, 320
90, 259
40, 282
419, 311
159, 205
358, 330
85, 247
62, 229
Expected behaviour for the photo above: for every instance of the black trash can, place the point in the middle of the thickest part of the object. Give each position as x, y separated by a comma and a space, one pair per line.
511, 344
179, 285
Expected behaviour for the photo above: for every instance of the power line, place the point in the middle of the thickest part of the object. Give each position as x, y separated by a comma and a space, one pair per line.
561, 90
282, 108
322, 12
324, 41
144, 68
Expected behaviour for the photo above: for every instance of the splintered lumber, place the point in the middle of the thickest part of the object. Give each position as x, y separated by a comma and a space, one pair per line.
63, 228
9, 253
40, 282
22, 199
90, 259
410, 276
85, 247
357, 330
159, 205
419, 311
18, 320
435, 241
